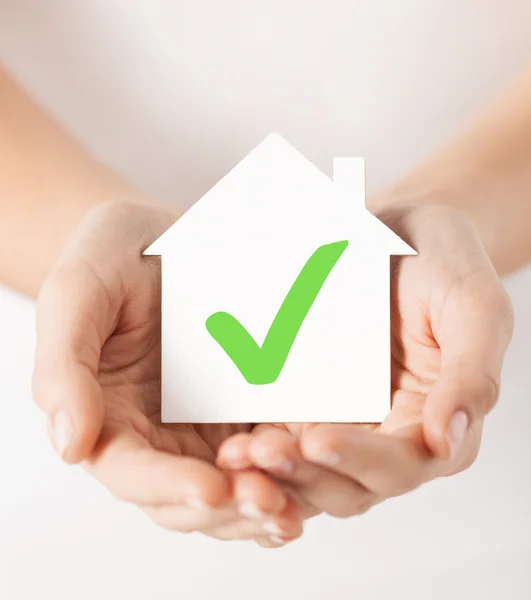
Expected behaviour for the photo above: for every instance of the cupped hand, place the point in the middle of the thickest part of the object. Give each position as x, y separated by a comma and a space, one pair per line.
451, 325
97, 377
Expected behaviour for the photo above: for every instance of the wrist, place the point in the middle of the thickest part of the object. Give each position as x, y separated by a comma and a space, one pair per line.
58, 225
475, 198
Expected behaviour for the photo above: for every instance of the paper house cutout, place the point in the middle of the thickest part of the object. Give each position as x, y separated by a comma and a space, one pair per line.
239, 250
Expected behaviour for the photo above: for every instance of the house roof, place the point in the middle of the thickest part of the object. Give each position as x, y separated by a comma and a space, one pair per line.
276, 165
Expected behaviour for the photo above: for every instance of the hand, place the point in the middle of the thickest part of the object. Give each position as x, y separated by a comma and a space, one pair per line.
97, 377
451, 325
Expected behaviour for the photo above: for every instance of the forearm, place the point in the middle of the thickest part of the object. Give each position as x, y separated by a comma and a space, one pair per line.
48, 182
485, 172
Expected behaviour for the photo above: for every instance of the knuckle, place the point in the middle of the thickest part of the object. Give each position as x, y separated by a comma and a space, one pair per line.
409, 480
44, 390
365, 506
407, 484
166, 519
223, 536
469, 460
326, 446
121, 496
56, 284
343, 512
470, 455
487, 394
120, 493
506, 311
354, 509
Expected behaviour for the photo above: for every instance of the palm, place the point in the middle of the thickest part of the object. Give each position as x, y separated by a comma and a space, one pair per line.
425, 295
125, 297
450, 325
415, 354
428, 303
129, 376
99, 339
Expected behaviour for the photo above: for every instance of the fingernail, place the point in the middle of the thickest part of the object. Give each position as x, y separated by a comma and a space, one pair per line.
286, 465
196, 503
250, 510
273, 528
325, 457
331, 458
276, 461
277, 540
457, 429
62, 432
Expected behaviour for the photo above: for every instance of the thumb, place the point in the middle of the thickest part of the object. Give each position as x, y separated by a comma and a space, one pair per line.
473, 334
72, 309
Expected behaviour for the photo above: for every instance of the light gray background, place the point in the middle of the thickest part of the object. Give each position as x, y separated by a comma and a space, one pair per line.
173, 94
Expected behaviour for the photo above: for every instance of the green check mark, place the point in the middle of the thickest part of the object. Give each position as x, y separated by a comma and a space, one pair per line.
261, 365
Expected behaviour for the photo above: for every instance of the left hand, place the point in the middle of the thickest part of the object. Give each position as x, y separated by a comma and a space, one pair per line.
451, 325
98, 379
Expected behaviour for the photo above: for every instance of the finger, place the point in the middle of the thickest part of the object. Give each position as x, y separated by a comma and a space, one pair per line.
71, 318
226, 523
256, 495
274, 449
287, 525
473, 333
277, 451
272, 541
135, 472
233, 454
386, 465
256, 505
187, 520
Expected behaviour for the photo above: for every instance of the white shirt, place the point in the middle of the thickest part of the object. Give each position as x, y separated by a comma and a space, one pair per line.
173, 94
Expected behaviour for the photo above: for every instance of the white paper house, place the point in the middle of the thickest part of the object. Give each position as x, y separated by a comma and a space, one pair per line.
239, 249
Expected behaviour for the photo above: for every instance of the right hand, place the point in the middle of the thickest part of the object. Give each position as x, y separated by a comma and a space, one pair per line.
451, 324
97, 377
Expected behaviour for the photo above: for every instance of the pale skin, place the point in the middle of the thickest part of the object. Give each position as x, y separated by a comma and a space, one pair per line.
72, 233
